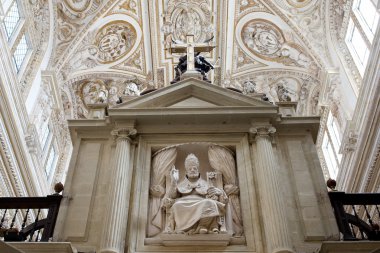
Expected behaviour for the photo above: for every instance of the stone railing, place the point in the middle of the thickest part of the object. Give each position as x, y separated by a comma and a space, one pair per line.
357, 215
29, 218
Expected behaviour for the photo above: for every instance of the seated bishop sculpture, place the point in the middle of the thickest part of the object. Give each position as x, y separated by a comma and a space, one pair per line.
193, 205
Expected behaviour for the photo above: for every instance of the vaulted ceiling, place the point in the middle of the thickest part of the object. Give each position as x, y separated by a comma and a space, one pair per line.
119, 47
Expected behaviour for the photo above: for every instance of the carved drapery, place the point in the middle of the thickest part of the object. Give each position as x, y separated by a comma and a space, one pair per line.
161, 165
222, 160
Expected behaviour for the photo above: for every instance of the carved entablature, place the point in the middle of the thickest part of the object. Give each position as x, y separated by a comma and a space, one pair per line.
188, 180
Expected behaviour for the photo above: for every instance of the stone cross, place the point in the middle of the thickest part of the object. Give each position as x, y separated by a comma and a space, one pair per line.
190, 48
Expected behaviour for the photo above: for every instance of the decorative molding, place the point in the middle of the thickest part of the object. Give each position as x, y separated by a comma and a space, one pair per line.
13, 170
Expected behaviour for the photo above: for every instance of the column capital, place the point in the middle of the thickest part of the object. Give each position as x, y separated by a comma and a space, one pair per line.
262, 131
123, 133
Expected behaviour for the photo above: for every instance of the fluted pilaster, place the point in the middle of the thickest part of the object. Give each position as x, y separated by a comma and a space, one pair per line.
115, 223
273, 208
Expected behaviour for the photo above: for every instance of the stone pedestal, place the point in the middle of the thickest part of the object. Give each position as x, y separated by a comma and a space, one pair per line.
97, 111
191, 74
115, 223
287, 109
275, 226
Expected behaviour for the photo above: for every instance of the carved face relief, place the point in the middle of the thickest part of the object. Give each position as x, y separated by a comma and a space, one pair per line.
264, 39
114, 41
287, 89
93, 91
132, 89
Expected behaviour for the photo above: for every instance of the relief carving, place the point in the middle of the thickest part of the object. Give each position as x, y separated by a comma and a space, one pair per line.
283, 86
267, 41
110, 91
194, 199
188, 17
114, 41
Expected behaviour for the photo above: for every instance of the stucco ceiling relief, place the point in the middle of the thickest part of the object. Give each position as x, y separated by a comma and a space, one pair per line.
79, 9
133, 63
107, 43
265, 41
297, 6
113, 41
188, 17
104, 91
251, 5
282, 86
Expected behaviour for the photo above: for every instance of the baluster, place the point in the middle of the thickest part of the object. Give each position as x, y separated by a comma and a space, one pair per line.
14, 219
3, 218
35, 225
38, 234
352, 229
378, 211
25, 219
368, 216
357, 217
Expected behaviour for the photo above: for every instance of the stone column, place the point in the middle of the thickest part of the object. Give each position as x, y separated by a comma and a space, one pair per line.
277, 235
115, 223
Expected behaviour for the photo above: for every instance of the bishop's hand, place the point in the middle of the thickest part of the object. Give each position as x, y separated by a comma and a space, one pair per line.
174, 175
213, 191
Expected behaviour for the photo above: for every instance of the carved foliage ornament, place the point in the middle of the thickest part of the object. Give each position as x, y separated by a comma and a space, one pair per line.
114, 41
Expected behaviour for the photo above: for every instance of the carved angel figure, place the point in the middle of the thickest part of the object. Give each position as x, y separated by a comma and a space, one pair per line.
193, 205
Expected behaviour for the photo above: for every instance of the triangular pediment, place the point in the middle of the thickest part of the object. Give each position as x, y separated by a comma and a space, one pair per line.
192, 102
192, 93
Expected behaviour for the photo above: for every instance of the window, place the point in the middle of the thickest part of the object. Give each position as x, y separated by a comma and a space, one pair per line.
357, 46
11, 19
20, 52
51, 162
330, 146
15, 31
364, 19
367, 15
45, 131
329, 154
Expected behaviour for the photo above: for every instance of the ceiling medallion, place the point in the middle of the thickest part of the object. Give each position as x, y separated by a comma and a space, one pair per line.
114, 41
188, 17
263, 38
